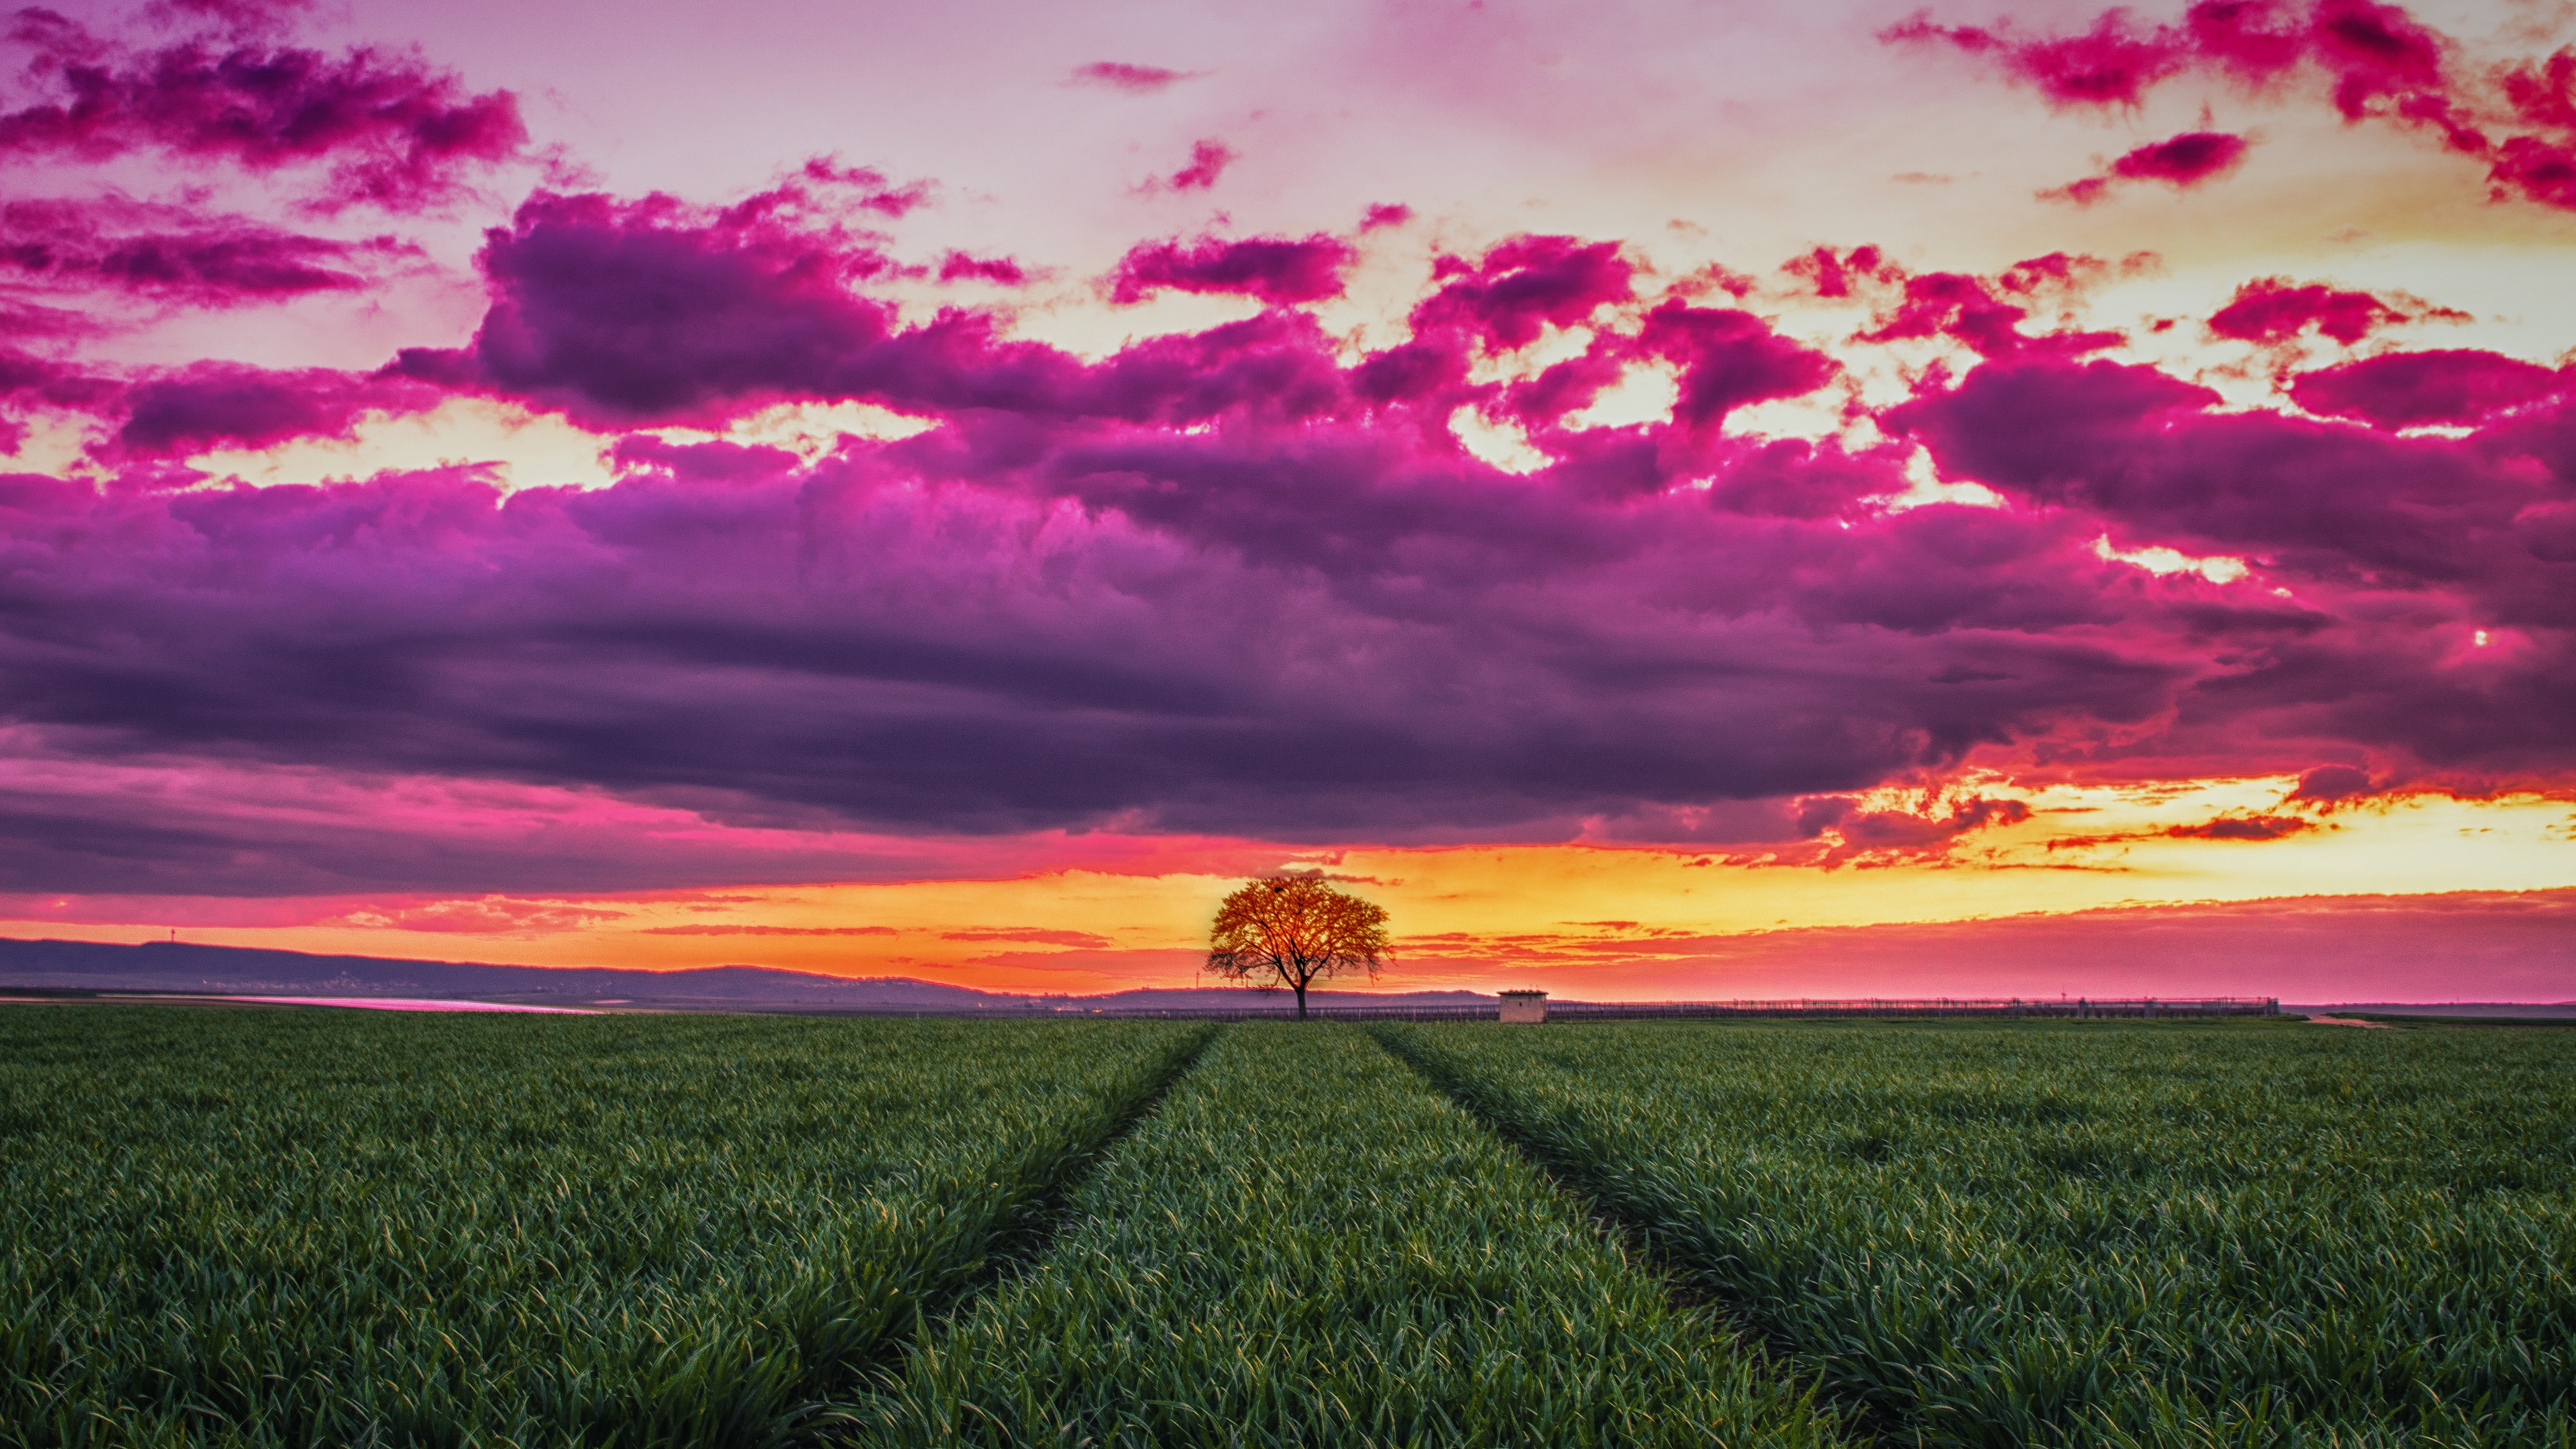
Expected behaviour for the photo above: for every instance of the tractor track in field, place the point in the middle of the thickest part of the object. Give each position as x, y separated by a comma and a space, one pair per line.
1040, 1219
1863, 1422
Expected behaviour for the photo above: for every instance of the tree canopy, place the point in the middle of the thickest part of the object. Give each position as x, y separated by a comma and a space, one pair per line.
1295, 930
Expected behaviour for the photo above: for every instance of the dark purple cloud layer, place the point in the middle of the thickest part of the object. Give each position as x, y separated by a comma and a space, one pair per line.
1231, 583
1246, 580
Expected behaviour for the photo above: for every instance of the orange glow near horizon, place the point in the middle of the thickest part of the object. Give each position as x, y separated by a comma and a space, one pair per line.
1582, 916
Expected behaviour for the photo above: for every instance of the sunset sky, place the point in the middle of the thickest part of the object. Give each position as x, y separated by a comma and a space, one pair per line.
1658, 495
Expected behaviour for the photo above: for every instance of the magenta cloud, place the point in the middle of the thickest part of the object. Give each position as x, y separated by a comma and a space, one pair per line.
1141, 80
1275, 269
2370, 61
2181, 162
2271, 310
621, 311
166, 254
1208, 160
1245, 580
390, 131
1000, 271
1504, 299
1234, 582
226, 405
2455, 387
2243, 827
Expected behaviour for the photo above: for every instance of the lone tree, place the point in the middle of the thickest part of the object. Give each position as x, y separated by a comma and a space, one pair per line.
1295, 929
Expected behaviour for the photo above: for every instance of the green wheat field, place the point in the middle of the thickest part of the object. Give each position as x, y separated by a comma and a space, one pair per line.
344, 1228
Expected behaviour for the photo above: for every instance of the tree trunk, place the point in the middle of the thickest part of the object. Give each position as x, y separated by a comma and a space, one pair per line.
1301, 1000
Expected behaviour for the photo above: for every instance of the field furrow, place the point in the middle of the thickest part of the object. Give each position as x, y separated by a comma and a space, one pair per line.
1304, 1245
2091, 1234
346, 1228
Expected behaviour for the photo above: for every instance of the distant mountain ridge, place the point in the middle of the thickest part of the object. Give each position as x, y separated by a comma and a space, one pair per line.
178, 966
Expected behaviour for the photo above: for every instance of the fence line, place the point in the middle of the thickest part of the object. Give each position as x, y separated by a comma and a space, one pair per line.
2007, 1008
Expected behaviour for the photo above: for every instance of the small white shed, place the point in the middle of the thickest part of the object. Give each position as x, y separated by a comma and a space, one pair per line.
1524, 1006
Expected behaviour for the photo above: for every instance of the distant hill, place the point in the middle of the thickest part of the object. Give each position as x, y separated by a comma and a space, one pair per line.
237, 970
168, 966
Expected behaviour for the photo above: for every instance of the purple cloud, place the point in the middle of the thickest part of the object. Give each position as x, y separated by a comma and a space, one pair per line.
1136, 80
215, 405
2273, 309
2182, 162
1506, 297
2244, 827
1241, 581
1000, 271
394, 133
1275, 269
2332, 785
164, 254
1208, 160
2370, 61
1729, 359
632, 311
2411, 389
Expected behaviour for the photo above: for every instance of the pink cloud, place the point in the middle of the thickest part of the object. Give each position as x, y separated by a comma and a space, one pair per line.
2113, 63
1503, 299
1000, 271
2244, 827
2410, 389
1208, 160
215, 405
2274, 309
178, 255
1031, 935
1275, 269
2185, 160
1877, 836
825, 186
633, 310
27, 378
1729, 359
1984, 312
738, 930
1141, 80
2181, 162
394, 133
494, 916
2370, 61
742, 622
1835, 274
1244, 579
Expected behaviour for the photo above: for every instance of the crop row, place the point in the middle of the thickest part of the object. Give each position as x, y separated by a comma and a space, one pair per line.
1305, 1245
2069, 1235
271, 1228
267, 1228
